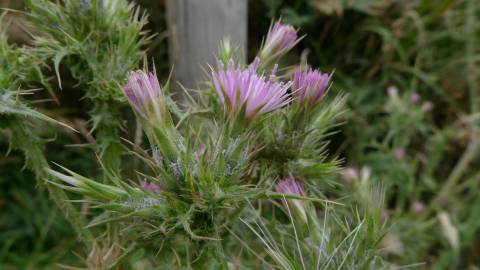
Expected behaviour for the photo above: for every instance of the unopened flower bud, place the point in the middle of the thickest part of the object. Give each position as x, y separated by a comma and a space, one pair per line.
392, 91
280, 39
427, 106
310, 86
350, 175
145, 95
293, 187
151, 187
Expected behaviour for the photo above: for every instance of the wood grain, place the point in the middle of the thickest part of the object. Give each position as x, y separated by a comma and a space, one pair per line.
196, 28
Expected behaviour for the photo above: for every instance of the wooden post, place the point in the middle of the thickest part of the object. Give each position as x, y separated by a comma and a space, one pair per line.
196, 28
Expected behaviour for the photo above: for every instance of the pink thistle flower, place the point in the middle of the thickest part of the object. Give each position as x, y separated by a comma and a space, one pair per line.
280, 39
144, 93
415, 97
290, 186
392, 91
310, 86
293, 187
417, 207
399, 153
427, 106
151, 187
244, 89
350, 175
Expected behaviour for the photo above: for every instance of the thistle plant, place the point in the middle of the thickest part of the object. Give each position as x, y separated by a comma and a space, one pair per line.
241, 174
200, 175
204, 172
98, 42
17, 69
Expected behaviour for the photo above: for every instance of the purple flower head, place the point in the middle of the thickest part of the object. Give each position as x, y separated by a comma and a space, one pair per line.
350, 175
427, 106
399, 153
415, 97
144, 93
392, 91
280, 39
151, 187
417, 207
309, 86
244, 89
290, 186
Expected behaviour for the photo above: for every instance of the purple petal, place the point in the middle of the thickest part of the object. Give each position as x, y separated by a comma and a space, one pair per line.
245, 88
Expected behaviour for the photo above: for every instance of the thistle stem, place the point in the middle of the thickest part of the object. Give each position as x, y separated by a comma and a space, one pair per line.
106, 117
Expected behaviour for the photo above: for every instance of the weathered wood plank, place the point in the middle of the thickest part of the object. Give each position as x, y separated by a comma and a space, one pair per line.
196, 28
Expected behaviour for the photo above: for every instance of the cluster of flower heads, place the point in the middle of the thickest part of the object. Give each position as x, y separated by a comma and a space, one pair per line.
243, 90
250, 91
238, 89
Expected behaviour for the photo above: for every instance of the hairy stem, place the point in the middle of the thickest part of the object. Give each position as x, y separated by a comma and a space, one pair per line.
107, 121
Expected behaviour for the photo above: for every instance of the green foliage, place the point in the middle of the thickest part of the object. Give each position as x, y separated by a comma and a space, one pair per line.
98, 42
33, 233
17, 68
